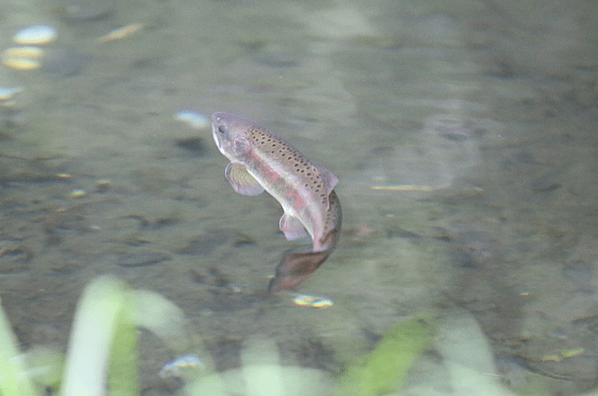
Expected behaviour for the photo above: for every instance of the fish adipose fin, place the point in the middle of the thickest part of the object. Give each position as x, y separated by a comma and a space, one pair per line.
328, 180
241, 180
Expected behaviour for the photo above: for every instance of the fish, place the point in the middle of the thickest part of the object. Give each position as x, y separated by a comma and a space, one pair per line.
262, 161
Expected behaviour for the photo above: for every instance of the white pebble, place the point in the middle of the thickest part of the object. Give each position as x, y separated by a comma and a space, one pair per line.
195, 120
7, 93
176, 367
22, 58
35, 35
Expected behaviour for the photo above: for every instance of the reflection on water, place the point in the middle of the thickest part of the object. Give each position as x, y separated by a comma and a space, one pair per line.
482, 113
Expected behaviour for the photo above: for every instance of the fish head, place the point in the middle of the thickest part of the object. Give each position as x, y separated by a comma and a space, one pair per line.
231, 134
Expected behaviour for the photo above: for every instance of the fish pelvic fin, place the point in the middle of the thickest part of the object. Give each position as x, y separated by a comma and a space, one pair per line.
294, 268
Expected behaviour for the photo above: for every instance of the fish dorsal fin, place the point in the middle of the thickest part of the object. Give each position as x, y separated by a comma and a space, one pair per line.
241, 180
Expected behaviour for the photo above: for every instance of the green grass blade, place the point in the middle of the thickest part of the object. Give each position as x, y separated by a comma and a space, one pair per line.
384, 369
13, 378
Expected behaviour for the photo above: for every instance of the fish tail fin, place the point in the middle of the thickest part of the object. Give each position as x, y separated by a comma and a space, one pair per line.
294, 268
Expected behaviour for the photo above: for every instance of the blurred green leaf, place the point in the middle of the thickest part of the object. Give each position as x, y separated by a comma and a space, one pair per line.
383, 370
122, 374
13, 377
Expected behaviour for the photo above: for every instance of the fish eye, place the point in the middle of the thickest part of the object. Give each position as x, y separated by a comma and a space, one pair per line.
222, 129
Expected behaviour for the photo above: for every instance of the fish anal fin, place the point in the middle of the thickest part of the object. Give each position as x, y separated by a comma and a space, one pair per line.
241, 180
292, 227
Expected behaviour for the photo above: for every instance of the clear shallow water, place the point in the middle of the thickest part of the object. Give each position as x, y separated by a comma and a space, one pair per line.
491, 106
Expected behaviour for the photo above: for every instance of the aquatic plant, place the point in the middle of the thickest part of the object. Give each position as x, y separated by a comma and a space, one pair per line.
383, 370
378, 373
103, 336
263, 375
102, 351
13, 380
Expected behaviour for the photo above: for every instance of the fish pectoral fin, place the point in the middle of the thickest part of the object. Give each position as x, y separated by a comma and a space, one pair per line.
241, 180
292, 227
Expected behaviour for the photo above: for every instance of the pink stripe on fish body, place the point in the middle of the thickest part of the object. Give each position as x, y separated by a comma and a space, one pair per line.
262, 168
287, 175
297, 200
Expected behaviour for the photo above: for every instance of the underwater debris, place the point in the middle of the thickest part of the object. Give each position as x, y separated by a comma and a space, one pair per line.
120, 33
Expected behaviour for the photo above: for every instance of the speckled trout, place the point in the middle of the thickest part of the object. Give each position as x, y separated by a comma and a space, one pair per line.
262, 161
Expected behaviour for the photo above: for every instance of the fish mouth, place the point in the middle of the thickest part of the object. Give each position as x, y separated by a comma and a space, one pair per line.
215, 136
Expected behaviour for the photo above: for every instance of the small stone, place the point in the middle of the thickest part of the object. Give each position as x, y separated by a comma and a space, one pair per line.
35, 35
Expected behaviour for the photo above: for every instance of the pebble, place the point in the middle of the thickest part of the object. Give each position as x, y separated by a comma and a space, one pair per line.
312, 301
78, 193
174, 368
195, 120
102, 185
8, 93
35, 35
22, 58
